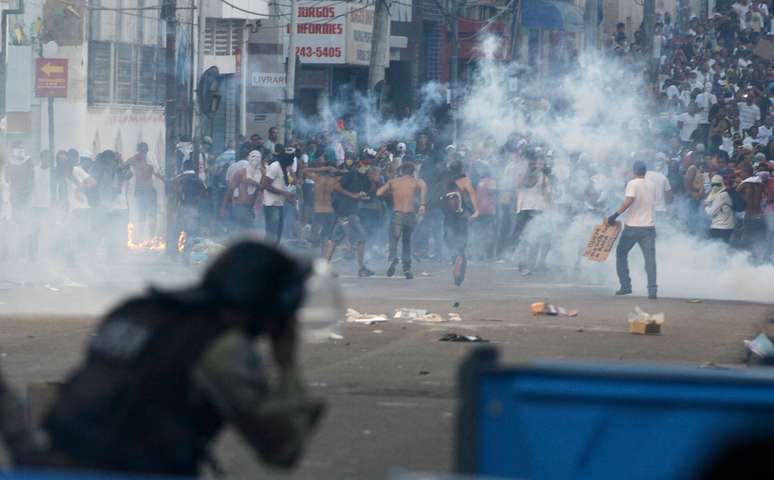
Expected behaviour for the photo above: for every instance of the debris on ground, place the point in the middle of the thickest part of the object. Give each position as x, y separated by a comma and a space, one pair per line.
643, 323
424, 372
456, 305
354, 316
426, 274
760, 346
695, 300
456, 337
378, 331
334, 336
543, 308
422, 315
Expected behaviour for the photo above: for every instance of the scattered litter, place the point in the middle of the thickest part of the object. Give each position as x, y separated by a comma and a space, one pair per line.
543, 308
366, 432
580, 330
424, 372
378, 331
418, 314
369, 318
760, 346
49, 287
335, 336
208, 246
426, 274
643, 323
455, 317
456, 305
456, 337
318, 384
695, 300
3, 354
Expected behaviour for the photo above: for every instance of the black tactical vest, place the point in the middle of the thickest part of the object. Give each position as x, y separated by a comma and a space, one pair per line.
131, 406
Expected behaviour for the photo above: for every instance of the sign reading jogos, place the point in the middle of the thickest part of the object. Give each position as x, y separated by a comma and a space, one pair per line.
321, 36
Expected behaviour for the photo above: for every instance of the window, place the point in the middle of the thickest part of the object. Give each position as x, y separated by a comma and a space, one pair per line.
126, 74
100, 54
222, 36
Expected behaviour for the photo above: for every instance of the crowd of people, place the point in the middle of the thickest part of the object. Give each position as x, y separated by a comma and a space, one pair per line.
705, 136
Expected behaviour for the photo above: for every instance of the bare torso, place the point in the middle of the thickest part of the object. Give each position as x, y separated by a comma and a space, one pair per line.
404, 193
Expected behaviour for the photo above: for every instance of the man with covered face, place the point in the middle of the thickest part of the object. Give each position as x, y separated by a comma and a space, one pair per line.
167, 370
276, 183
351, 188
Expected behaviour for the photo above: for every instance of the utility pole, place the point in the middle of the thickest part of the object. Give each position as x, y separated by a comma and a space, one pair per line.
169, 13
198, 119
454, 67
515, 23
649, 22
591, 22
290, 84
380, 42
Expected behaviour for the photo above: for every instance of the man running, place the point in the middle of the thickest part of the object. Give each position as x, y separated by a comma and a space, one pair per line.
323, 217
404, 190
144, 192
460, 206
347, 193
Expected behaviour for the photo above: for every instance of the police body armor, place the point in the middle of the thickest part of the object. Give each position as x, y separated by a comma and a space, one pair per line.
132, 406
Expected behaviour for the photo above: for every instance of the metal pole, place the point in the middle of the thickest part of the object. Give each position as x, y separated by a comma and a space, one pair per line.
290, 87
170, 124
379, 44
197, 127
454, 67
591, 22
243, 85
515, 21
51, 125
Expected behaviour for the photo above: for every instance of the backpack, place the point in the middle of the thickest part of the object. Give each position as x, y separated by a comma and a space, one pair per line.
738, 202
191, 190
452, 200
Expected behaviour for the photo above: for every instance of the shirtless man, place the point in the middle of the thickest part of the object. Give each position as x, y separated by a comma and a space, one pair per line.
456, 220
403, 190
144, 192
324, 217
242, 191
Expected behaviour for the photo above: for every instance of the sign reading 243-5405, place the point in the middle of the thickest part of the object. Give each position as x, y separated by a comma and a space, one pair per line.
51, 77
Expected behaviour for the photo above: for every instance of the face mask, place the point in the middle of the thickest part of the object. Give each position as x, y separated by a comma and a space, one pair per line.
362, 170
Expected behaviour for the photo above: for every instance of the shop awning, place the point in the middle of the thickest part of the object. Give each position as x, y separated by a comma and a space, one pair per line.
552, 15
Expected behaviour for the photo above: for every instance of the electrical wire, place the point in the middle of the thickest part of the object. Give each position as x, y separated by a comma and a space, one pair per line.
491, 20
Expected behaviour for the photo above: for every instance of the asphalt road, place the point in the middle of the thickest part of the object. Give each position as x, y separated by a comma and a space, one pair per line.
390, 387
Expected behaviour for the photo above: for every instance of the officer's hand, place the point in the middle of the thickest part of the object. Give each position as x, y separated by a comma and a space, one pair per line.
611, 220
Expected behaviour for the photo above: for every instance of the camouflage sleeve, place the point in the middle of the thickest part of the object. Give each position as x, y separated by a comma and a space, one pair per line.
274, 421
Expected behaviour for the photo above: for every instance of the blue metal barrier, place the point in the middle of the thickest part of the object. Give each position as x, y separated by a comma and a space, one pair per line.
561, 421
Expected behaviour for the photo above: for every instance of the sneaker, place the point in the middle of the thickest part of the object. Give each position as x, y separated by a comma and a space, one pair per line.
364, 272
409, 275
391, 269
623, 291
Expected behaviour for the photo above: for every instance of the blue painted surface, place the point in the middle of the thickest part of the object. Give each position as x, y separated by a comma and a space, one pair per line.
582, 422
552, 15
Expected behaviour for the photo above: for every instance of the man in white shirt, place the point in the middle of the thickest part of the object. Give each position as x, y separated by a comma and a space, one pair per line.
662, 190
639, 228
705, 100
276, 192
749, 113
688, 122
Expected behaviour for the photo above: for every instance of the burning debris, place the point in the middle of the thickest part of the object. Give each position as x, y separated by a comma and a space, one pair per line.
154, 244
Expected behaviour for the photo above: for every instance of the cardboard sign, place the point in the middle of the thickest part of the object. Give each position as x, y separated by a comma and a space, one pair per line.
601, 242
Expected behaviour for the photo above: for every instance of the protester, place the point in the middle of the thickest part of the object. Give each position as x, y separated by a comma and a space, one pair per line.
145, 196
719, 208
190, 197
404, 191
351, 188
275, 184
639, 228
460, 206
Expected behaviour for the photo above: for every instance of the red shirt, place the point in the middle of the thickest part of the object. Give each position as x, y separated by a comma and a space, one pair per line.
486, 193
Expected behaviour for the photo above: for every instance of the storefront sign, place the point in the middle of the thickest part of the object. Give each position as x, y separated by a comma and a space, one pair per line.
321, 32
267, 79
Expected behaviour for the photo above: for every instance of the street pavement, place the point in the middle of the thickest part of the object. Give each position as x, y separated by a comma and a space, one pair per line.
390, 387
